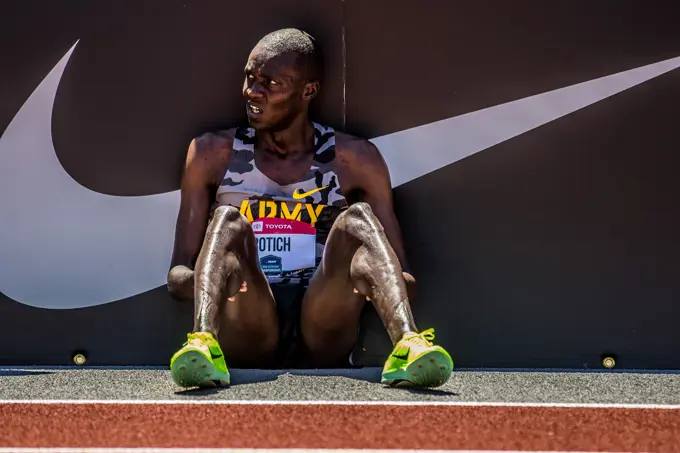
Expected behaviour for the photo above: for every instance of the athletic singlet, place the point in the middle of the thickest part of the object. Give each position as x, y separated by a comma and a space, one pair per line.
291, 222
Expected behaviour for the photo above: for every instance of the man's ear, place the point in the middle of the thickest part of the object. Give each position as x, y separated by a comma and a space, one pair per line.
310, 91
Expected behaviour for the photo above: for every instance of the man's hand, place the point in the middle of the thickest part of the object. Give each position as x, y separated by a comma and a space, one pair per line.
181, 283
365, 169
206, 161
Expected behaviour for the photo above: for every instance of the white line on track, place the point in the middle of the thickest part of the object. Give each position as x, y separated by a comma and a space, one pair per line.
247, 450
348, 403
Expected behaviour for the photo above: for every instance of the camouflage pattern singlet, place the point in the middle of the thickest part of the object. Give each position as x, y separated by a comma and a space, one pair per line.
291, 222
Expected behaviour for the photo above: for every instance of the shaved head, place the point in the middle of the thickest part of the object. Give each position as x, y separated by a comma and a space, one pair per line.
292, 40
282, 76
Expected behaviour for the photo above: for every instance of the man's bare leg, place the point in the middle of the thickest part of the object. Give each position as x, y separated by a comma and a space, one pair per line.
247, 326
359, 258
242, 317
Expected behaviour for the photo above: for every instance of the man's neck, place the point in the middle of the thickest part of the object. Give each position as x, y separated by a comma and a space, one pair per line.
297, 138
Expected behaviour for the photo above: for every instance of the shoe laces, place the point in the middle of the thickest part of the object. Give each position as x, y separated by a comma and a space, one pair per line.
421, 339
426, 336
198, 338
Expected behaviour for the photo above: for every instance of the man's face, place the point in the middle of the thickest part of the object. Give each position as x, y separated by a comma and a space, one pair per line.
274, 89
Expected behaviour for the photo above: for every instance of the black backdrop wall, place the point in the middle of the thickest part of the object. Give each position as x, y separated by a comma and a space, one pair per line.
545, 249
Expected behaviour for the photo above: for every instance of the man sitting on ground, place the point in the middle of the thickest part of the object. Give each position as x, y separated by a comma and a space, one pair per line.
289, 203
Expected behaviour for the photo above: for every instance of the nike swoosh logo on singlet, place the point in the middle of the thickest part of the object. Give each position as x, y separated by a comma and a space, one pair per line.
299, 196
66, 246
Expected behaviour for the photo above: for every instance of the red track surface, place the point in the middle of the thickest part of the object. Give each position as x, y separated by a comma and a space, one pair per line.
336, 426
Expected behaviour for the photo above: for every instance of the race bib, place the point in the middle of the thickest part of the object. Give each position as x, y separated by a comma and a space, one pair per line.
284, 246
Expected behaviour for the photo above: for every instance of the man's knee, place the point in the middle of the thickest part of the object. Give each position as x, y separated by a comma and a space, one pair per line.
228, 214
360, 211
359, 217
229, 217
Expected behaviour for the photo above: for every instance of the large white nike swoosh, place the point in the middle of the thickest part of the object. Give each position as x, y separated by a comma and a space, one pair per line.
415, 152
61, 244
65, 246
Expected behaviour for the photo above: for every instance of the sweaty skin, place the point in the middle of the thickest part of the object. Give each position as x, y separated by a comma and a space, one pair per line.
216, 264
366, 241
212, 262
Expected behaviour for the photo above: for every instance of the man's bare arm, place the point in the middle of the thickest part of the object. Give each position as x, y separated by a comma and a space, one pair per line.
377, 187
205, 159
368, 172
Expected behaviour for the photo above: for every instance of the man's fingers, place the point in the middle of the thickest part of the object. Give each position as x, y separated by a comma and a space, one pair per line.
356, 291
242, 289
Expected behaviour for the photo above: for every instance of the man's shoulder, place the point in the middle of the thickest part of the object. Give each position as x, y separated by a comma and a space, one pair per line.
352, 147
209, 155
213, 143
361, 164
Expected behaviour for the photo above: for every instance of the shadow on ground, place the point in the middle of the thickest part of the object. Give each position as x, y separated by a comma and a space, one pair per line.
254, 376
245, 377
433, 392
6, 373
